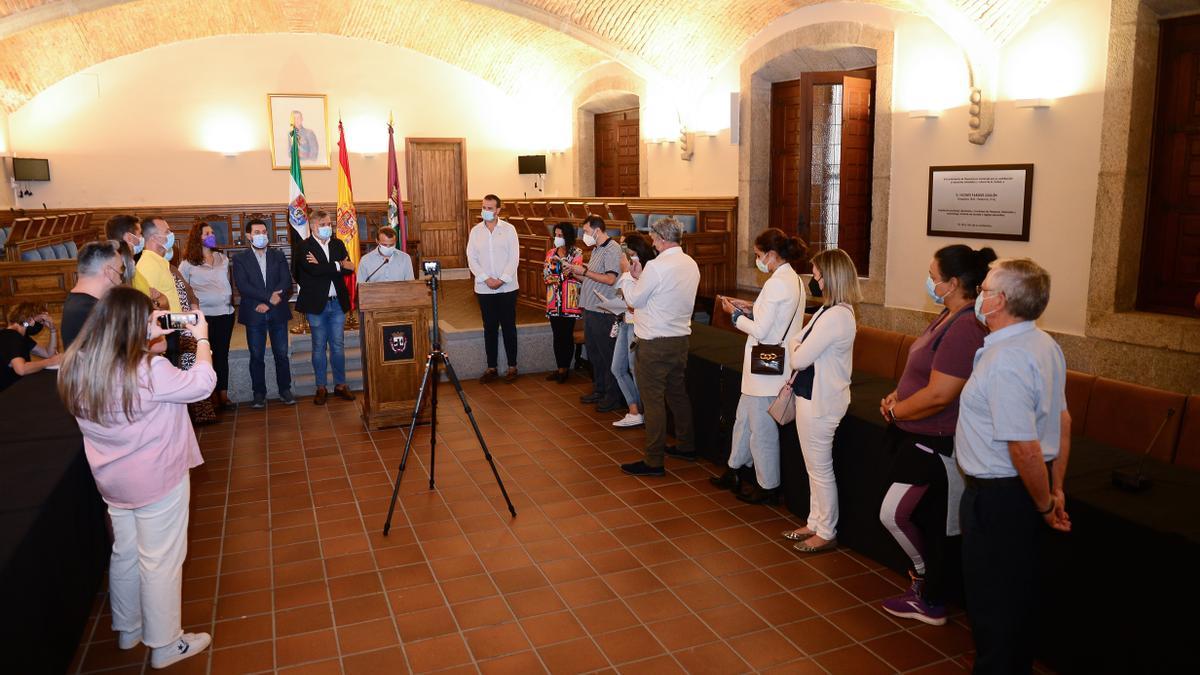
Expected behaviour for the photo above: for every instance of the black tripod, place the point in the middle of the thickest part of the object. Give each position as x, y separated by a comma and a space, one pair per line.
436, 356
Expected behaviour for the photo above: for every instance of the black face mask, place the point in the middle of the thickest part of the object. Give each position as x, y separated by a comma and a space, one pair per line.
30, 331
814, 288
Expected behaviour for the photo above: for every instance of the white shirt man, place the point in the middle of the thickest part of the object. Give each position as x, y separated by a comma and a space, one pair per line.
493, 254
663, 294
385, 262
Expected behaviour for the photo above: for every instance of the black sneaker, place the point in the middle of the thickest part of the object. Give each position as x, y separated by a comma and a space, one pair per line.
643, 469
589, 398
728, 480
286, 397
259, 403
685, 456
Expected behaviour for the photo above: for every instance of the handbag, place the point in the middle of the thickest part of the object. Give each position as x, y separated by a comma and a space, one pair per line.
783, 408
802, 381
767, 359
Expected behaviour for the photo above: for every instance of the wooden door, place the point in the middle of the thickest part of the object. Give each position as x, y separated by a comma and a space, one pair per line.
1170, 272
437, 189
789, 159
854, 217
618, 139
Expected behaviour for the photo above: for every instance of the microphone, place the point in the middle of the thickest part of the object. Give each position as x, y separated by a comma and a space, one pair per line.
385, 261
1133, 480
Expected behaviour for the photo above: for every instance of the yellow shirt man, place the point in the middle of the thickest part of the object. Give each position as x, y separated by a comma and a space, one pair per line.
155, 272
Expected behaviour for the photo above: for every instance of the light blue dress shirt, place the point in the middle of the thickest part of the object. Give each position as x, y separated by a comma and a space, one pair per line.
1016, 392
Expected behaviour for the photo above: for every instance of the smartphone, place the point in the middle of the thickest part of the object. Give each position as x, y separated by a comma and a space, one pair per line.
177, 320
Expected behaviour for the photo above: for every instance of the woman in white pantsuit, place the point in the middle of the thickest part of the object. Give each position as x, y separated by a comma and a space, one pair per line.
827, 346
776, 316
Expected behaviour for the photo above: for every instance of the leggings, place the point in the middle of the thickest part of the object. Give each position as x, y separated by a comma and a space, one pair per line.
914, 508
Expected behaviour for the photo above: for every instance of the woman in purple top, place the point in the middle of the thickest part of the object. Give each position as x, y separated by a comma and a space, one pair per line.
924, 411
131, 406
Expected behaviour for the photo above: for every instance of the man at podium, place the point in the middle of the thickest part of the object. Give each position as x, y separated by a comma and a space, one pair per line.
385, 262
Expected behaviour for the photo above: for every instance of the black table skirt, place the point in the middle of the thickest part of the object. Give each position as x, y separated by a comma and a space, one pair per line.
1118, 592
53, 539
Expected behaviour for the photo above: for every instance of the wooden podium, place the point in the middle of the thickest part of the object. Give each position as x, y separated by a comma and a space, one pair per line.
394, 323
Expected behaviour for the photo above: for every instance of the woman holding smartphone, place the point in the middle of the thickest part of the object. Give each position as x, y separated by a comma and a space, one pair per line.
562, 297
131, 406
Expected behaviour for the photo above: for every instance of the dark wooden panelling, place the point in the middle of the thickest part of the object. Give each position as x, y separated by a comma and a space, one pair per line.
1170, 272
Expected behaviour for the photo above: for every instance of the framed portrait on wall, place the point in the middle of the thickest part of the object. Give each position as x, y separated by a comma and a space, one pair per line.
311, 115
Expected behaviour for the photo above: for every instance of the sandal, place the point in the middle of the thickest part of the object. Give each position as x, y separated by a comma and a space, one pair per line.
805, 548
796, 535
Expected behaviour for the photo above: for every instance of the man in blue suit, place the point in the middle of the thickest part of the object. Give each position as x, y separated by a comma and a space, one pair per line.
262, 278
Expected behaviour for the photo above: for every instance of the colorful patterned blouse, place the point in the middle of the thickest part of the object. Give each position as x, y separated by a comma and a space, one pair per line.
562, 289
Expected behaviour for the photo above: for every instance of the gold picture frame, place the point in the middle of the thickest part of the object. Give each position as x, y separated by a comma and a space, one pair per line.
280, 108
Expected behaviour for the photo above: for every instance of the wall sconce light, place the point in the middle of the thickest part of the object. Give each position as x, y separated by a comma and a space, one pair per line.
229, 153
368, 155
1037, 103
924, 114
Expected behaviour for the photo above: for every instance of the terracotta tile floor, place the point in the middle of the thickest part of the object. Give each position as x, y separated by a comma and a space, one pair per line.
288, 568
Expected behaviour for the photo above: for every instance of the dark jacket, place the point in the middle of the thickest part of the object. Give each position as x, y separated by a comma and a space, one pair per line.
249, 281
314, 280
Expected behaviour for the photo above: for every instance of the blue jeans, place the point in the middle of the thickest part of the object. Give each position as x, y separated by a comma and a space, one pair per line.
622, 365
329, 329
256, 342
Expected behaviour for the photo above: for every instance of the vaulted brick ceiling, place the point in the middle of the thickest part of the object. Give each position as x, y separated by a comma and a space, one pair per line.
513, 43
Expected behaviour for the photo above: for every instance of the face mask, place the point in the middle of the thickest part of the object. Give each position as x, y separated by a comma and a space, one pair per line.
209, 241
141, 244
386, 251
110, 274
169, 254
588, 239
170, 243
488, 216
931, 289
979, 313
32, 329
259, 240
814, 287
559, 242
324, 232
762, 266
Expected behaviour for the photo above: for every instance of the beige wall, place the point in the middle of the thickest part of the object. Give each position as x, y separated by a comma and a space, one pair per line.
1062, 142
7, 198
134, 130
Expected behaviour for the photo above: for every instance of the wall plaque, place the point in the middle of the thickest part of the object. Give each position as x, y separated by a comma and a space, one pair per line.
397, 342
980, 202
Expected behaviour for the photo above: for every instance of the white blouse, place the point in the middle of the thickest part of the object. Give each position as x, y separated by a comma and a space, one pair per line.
829, 347
781, 301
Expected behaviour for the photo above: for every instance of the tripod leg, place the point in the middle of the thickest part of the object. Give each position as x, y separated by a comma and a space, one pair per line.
412, 429
433, 374
478, 434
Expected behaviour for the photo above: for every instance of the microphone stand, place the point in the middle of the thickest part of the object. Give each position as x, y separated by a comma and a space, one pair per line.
385, 262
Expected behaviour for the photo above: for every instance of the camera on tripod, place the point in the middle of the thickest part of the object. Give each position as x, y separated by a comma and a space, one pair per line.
431, 268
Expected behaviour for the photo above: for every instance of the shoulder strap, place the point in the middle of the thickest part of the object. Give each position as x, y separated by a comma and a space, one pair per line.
938, 340
818, 315
790, 322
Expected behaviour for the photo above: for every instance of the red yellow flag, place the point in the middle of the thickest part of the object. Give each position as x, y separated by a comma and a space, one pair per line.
347, 217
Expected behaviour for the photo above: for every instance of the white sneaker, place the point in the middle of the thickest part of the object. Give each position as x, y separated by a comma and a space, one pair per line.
630, 420
129, 639
189, 645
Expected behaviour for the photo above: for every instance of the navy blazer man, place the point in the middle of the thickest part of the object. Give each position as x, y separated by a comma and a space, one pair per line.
264, 284
321, 272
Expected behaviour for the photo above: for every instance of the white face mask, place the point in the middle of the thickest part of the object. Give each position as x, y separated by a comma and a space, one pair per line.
258, 240
386, 251
588, 239
761, 265
488, 216
559, 242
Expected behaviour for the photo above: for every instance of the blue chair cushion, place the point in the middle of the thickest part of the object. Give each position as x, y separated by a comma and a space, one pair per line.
31, 256
4, 235
72, 249
688, 222
61, 252
46, 252
639, 221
